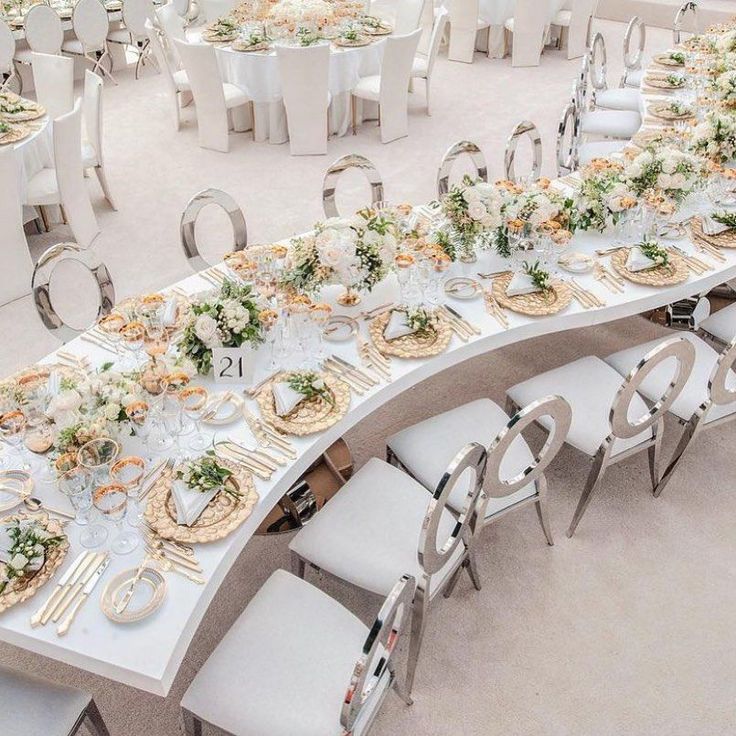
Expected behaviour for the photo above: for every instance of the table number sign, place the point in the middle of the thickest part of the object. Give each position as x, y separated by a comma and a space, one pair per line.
234, 365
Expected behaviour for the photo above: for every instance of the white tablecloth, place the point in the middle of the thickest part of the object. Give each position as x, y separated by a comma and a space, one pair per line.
32, 154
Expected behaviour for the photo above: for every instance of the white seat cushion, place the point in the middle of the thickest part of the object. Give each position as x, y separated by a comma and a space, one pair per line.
23, 56
119, 35
284, 666
234, 96
368, 88
368, 534
611, 123
590, 386
721, 324
419, 67
89, 155
634, 79
72, 46
42, 188
562, 18
427, 448
619, 99
598, 149
508, 24
181, 80
696, 389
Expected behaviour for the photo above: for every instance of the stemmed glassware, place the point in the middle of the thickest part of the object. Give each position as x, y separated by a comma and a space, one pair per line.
111, 500
112, 325
12, 428
133, 336
194, 404
129, 472
320, 314
76, 484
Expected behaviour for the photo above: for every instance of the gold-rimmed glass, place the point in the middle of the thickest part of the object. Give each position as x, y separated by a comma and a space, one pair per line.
12, 427
133, 336
97, 456
111, 500
112, 325
129, 472
76, 484
194, 403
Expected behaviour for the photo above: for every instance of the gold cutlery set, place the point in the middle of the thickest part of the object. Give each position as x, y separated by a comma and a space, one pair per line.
586, 298
463, 329
359, 380
613, 282
695, 264
261, 463
374, 359
213, 275
268, 436
171, 556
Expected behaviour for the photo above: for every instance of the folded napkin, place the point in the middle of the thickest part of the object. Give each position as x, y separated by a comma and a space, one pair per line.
170, 310
637, 261
521, 283
713, 227
190, 504
285, 398
397, 327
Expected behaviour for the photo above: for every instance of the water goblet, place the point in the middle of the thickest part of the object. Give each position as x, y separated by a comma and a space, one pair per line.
97, 456
111, 500
76, 484
320, 314
194, 400
129, 472
112, 324
12, 427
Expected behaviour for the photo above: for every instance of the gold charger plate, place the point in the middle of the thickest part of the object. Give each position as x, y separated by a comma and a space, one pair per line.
648, 136
662, 83
311, 415
382, 31
352, 44
540, 303
36, 111
21, 589
665, 60
215, 38
239, 46
223, 515
673, 273
726, 239
661, 110
411, 346
16, 133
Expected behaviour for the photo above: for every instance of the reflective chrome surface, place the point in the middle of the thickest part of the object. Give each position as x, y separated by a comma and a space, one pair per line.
598, 64
567, 140
524, 129
685, 8
633, 58
452, 154
351, 161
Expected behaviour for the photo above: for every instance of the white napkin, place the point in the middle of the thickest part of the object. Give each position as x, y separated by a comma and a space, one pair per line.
713, 227
637, 261
190, 504
285, 398
53, 384
521, 283
170, 309
396, 326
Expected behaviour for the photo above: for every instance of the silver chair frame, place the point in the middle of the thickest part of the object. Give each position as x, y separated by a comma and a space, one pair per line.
461, 148
633, 61
568, 127
685, 8
142, 48
189, 220
332, 176
91, 718
528, 129
598, 66
718, 394
41, 286
96, 61
431, 559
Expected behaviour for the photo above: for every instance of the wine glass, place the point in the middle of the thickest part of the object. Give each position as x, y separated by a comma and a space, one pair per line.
97, 456
76, 484
133, 336
194, 404
320, 314
111, 500
129, 472
12, 428
111, 324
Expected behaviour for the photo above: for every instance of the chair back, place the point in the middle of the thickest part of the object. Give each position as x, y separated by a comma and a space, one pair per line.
333, 173
90, 24
568, 140
393, 97
201, 67
135, 15
214, 9
634, 54
170, 22
426, 22
681, 20
92, 109
554, 407
70, 177
578, 39
187, 225
461, 148
17, 263
524, 129
7, 48
580, 88
434, 553
41, 286
182, 7
722, 382
529, 29
304, 75
464, 14
598, 63
162, 57
438, 30
677, 348
43, 29
376, 658
408, 16
53, 78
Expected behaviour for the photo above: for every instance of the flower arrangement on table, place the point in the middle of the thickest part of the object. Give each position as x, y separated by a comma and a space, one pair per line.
715, 136
24, 545
228, 318
205, 474
286, 17
311, 386
603, 195
473, 212
723, 88
665, 170
726, 43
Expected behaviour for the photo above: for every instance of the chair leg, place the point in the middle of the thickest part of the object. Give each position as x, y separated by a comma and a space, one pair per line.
93, 720
688, 434
510, 406
62, 212
399, 686
191, 725
471, 566
594, 477
654, 453
354, 113
298, 565
418, 624
102, 178
44, 217
541, 505
426, 84
450, 587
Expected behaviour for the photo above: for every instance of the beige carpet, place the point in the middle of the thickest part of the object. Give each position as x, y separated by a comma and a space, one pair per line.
626, 630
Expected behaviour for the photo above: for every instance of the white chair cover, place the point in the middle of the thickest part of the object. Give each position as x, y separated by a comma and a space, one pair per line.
304, 81
170, 22
582, 14
14, 254
398, 57
214, 9
426, 21
166, 69
53, 78
44, 33
529, 28
69, 175
423, 67
90, 24
463, 30
135, 15
408, 15
7, 48
92, 111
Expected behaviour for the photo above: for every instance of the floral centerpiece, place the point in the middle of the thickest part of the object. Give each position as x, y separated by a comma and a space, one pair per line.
310, 385
226, 319
726, 43
715, 137
724, 88
603, 195
205, 474
667, 171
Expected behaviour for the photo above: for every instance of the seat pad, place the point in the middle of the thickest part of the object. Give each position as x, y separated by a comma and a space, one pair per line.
721, 324
234, 96
619, 99
42, 188
611, 123
368, 88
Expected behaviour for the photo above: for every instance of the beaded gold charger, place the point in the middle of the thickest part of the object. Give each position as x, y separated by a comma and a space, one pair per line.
129, 308
219, 38
663, 111
239, 45
662, 83
348, 43
550, 301
223, 515
15, 133
25, 587
31, 110
648, 136
667, 60
726, 239
423, 345
311, 415
675, 272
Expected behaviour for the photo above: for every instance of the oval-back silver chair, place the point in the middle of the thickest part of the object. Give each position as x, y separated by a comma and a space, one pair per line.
633, 55
525, 129
680, 18
335, 171
461, 148
41, 286
567, 140
188, 224
598, 66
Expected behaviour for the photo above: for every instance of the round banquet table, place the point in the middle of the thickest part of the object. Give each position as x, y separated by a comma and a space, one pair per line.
257, 74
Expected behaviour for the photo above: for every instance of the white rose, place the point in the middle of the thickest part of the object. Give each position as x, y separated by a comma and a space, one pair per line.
112, 411
331, 256
476, 210
205, 328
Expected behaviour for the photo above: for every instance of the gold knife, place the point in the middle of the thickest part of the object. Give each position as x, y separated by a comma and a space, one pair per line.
69, 585
53, 599
79, 585
86, 591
